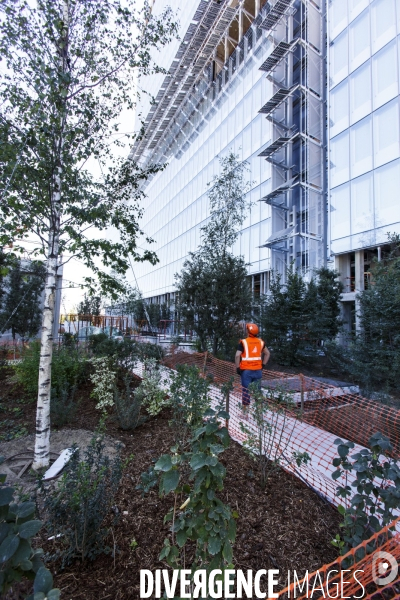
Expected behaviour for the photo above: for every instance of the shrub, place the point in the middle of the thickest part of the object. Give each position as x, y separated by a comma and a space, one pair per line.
151, 391
377, 490
17, 557
103, 379
128, 405
203, 517
264, 441
148, 350
77, 507
189, 400
63, 406
298, 314
68, 368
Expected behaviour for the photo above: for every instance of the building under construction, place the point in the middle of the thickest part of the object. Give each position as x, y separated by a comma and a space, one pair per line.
308, 94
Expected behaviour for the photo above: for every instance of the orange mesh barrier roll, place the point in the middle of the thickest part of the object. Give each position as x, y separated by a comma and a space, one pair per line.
361, 573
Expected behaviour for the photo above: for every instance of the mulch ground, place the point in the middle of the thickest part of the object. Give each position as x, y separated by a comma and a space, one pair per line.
287, 526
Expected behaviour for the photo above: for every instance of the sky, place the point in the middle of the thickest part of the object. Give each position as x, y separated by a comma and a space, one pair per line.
75, 270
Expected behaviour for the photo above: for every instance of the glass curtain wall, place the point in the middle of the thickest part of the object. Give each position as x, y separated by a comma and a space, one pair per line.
364, 165
177, 205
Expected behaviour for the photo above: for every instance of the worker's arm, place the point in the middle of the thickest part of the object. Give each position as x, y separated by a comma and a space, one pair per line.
237, 358
265, 354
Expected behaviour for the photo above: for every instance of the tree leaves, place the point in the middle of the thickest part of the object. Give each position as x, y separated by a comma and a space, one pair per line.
29, 529
8, 547
169, 481
164, 463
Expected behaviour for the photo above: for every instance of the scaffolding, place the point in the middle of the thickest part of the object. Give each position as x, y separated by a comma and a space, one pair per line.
296, 111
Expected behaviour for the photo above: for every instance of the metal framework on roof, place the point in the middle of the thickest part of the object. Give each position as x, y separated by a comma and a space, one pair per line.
209, 23
278, 237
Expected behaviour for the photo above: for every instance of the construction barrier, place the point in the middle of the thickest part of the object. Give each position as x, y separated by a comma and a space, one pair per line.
316, 415
357, 574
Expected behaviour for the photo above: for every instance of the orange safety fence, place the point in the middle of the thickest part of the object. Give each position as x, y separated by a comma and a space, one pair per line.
318, 413
369, 571
335, 409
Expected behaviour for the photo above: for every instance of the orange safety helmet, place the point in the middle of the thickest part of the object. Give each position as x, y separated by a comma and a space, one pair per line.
252, 328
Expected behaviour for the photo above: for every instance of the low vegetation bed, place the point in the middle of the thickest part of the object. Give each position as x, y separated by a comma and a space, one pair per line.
287, 526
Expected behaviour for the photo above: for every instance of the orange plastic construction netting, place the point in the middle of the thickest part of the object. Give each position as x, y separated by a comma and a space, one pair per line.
318, 413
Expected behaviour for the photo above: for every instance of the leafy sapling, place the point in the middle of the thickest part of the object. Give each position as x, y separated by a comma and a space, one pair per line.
202, 518
264, 441
18, 560
373, 496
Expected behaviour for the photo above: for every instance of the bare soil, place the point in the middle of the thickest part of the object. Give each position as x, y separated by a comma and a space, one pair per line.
286, 526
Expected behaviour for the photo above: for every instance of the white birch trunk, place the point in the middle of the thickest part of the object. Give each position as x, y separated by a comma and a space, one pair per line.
42, 440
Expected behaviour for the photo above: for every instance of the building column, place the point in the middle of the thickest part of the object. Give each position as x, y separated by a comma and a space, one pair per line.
257, 7
240, 25
226, 48
359, 282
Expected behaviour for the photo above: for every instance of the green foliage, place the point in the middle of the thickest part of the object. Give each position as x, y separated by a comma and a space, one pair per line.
128, 405
18, 560
124, 353
63, 406
151, 391
193, 470
90, 305
297, 315
61, 103
264, 443
103, 378
77, 507
121, 353
22, 311
214, 293
372, 357
189, 397
11, 431
203, 518
69, 366
373, 497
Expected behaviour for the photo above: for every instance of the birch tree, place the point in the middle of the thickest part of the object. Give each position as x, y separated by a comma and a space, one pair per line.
68, 69
214, 292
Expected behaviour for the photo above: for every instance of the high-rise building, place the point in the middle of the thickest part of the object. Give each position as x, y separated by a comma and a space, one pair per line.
308, 94
363, 125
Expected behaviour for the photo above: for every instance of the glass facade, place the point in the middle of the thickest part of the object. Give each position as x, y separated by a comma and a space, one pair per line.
176, 206
364, 131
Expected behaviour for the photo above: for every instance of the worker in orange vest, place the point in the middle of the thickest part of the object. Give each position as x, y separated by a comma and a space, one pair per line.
251, 356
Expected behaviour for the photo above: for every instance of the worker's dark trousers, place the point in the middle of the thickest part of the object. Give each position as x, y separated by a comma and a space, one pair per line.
248, 376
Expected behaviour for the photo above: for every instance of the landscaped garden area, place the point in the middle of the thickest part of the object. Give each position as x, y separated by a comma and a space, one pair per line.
285, 510
142, 450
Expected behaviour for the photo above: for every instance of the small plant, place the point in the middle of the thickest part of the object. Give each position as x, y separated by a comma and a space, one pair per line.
77, 507
151, 391
133, 545
103, 379
202, 518
189, 395
63, 406
128, 405
11, 430
376, 494
68, 368
265, 442
17, 557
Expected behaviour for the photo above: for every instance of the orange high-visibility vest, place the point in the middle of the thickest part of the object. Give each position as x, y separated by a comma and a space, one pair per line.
251, 355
